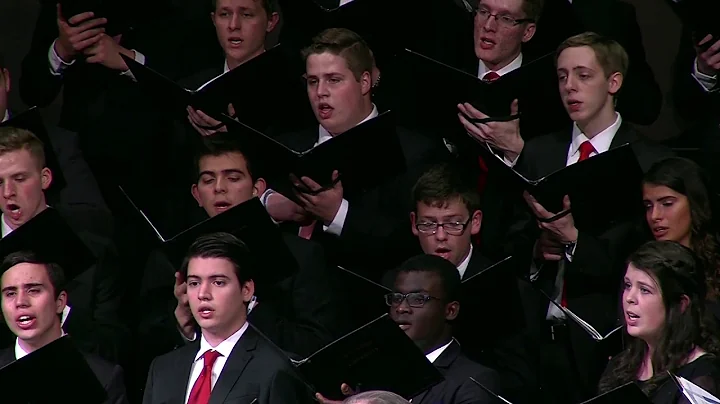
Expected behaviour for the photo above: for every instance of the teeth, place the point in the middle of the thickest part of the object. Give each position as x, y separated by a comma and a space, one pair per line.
24, 318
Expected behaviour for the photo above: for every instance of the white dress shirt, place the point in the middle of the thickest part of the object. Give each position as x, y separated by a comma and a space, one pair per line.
7, 230
601, 142
21, 353
6, 117
224, 348
462, 268
57, 65
338, 221
708, 83
344, 2
516, 63
432, 356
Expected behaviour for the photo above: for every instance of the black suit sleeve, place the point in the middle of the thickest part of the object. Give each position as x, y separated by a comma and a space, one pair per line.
116, 388
149, 384
690, 99
471, 393
38, 86
640, 99
286, 388
314, 311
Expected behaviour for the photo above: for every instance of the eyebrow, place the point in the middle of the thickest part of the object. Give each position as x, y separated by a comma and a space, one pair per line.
211, 277
23, 286
226, 171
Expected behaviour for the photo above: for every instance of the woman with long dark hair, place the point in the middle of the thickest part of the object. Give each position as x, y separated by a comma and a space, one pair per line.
679, 204
666, 325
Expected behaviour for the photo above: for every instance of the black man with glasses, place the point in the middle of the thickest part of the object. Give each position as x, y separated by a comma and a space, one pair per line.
425, 303
446, 216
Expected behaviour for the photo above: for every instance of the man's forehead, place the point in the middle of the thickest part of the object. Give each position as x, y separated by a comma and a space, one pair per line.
452, 207
326, 63
575, 57
225, 161
503, 5
24, 273
252, 4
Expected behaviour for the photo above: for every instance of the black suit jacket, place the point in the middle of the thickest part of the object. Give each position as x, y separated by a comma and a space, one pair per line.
299, 314
109, 375
376, 234
255, 370
457, 388
592, 280
690, 99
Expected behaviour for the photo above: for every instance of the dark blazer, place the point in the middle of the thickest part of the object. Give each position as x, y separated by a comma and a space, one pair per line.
108, 374
457, 388
255, 370
376, 233
593, 278
299, 315
690, 99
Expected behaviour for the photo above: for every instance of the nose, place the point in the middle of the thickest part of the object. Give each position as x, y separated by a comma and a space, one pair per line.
22, 300
220, 186
441, 234
569, 85
630, 297
234, 22
204, 292
655, 213
403, 307
490, 24
8, 189
322, 89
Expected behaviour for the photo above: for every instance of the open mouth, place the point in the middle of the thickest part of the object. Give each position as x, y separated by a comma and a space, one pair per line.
25, 321
14, 210
574, 105
222, 205
404, 325
325, 110
235, 41
660, 231
486, 43
442, 252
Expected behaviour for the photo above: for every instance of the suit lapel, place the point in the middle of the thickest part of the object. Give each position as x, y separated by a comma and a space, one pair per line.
7, 356
625, 134
235, 365
556, 153
477, 263
182, 372
442, 363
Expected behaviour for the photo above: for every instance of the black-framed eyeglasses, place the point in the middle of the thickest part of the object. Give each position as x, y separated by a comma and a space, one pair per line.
414, 299
503, 19
452, 228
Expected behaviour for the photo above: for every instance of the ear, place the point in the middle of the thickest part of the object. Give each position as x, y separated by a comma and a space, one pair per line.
476, 222
212, 17
272, 22
529, 32
259, 187
6, 77
413, 223
61, 302
615, 82
248, 291
452, 310
684, 303
196, 194
366, 82
45, 178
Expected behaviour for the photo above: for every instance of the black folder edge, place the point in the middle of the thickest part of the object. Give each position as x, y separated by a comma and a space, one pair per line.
627, 386
571, 317
682, 390
358, 276
500, 263
492, 393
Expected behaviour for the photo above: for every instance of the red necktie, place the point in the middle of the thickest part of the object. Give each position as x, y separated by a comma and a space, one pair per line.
489, 77
586, 149
307, 231
200, 393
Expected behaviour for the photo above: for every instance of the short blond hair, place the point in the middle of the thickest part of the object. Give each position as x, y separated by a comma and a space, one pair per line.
14, 139
609, 53
346, 44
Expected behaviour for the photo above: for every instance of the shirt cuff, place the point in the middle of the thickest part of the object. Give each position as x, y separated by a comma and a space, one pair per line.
65, 314
708, 83
140, 58
57, 65
570, 251
339, 220
534, 271
510, 163
186, 339
264, 200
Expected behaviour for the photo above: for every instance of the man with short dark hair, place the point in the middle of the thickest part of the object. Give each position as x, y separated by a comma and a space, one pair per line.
231, 360
33, 301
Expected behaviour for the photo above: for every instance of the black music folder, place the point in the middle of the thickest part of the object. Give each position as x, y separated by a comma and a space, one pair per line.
53, 241
259, 90
603, 189
117, 13
250, 223
376, 356
444, 87
363, 156
364, 298
53, 373
31, 120
627, 393
694, 393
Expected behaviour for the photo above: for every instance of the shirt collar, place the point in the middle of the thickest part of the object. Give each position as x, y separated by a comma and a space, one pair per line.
20, 353
4, 226
7, 116
601, 142
462, 268
225, 347
432, 356
516, 63
225, 67
324, 135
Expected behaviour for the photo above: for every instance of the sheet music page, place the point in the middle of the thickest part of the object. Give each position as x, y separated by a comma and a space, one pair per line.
695, 394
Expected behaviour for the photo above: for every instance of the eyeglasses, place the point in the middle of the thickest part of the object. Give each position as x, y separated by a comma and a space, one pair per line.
452, 228
505, 20
414, 299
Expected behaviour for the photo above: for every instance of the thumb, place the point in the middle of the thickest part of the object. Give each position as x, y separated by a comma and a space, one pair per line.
231, 110
335, 175
117, 38
60, 17
566, 203
178, 279
514, 107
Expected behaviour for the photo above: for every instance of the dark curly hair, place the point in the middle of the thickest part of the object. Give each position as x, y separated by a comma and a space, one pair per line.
677, 273
687, 178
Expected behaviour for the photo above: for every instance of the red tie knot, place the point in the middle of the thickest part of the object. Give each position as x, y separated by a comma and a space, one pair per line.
586, 149
490, 77
210, 357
